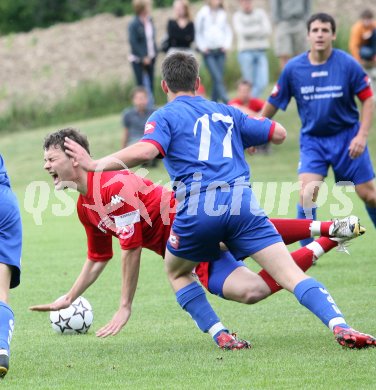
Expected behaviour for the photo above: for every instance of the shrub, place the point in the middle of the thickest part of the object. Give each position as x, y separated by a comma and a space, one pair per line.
23, 16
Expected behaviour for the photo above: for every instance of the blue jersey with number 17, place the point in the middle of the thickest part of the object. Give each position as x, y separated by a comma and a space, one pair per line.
206, 140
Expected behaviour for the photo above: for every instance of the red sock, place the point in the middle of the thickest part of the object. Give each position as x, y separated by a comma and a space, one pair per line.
303, 257
292, 230
326, 243
324, 228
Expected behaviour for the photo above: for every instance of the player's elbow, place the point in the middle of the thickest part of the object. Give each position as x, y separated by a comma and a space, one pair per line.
146, 151
279, 134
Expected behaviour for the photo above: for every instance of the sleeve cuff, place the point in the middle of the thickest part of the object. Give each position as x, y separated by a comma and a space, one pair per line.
99, 259
365, 94
271, 131
157, 145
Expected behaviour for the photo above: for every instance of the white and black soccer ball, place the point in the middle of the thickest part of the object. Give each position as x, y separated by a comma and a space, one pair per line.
75, 319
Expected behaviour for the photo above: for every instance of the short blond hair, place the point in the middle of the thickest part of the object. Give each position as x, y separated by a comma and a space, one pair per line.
187, 8
139, 6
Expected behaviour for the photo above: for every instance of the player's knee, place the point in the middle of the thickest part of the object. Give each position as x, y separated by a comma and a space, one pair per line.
171, 274
174, 274
368, 197
251, 296
370, 201
4, 295
309, 194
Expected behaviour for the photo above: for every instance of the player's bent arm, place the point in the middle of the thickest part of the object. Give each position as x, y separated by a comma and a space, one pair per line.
366, 116
359, 142
89, 274
130, 270
268, 111
130, 262
129, 157
279, 134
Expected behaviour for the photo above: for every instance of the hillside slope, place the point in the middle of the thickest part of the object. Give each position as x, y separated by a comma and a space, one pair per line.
44, 65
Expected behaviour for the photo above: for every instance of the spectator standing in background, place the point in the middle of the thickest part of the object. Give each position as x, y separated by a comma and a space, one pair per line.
253, 29
180, 29
213, 36
362, 43
135, 117
141, 35
289, 17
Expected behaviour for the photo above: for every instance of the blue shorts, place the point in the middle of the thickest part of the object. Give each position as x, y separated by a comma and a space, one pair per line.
318, 153
219, 270
240, 223
10, 233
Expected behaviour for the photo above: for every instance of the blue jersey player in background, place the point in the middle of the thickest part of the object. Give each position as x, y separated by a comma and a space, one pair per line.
324, 82
10, 262
203, 144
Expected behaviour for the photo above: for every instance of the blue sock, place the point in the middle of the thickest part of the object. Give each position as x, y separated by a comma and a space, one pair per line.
313, 295
306, 213
372, 214
192, 299
6, 325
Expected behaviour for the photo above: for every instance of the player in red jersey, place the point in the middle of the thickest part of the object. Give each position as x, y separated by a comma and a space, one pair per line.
244, 101
251, 106
140, 213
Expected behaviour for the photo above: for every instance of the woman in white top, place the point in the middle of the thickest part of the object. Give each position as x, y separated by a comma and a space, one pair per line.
213, 36
253, 29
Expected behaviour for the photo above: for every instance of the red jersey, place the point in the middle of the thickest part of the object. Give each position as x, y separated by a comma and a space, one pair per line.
254, 104
122, 204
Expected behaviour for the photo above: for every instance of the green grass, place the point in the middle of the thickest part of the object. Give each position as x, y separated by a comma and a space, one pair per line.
160, 347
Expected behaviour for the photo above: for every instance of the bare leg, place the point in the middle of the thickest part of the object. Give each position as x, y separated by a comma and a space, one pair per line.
277, 261
179, 271
245, 286
310, 185
367, 192
6, 318
5, 277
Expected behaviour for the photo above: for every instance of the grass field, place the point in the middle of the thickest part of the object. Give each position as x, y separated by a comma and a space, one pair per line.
160, 347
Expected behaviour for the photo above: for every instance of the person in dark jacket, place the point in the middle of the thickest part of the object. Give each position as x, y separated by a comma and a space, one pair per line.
141, 35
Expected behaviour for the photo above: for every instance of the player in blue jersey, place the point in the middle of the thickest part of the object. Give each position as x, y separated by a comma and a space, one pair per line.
202, 143
324, 82
10, 262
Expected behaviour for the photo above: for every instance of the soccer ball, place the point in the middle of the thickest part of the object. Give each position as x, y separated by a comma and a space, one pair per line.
75, 319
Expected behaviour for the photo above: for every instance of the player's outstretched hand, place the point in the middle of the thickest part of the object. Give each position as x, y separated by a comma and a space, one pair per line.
357, 146
61, 303
82, 157
119, 319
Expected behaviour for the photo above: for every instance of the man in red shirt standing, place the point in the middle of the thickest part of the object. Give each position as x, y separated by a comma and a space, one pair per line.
249, 105
244, 100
